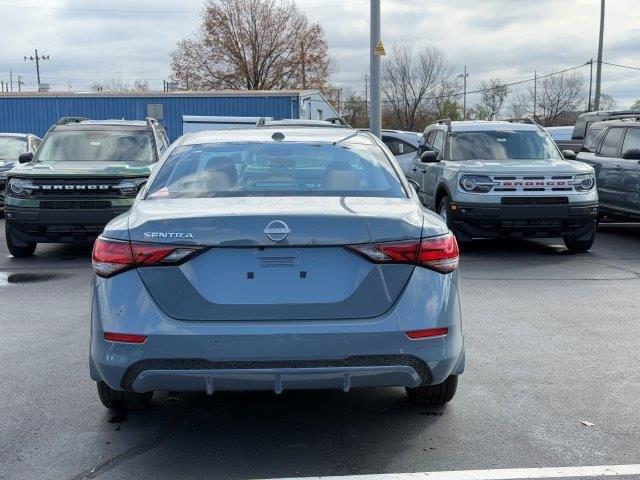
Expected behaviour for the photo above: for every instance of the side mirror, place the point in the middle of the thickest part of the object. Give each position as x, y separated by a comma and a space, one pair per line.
429, 156
569, 154
25, 157
633, 154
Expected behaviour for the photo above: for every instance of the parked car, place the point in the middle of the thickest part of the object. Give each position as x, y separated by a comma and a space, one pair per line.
615, 156
275, 259
505, 179
584, 122
11, 146
403, 145
560, 133
85, 173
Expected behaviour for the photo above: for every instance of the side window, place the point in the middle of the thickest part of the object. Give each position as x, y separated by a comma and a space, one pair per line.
609, 147
631, 140
391, 144
438, 142
429, 141
161, 140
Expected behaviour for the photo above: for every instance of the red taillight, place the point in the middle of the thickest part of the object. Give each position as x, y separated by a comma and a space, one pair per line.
124, 337
436, 253
427, 333
114, 256
439, 253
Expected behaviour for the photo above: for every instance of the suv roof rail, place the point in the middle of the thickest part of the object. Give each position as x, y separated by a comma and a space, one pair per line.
67, 120
443, 121
338, 121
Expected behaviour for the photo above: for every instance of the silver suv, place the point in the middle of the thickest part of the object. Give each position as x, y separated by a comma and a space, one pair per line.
505, 179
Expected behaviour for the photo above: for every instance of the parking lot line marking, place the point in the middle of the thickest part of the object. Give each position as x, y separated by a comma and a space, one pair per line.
497, 474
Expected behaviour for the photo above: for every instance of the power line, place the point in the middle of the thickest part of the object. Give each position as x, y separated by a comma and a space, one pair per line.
621, 66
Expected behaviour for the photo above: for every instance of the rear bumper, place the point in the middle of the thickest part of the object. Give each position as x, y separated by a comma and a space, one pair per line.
526, 221
52, 226
274, 355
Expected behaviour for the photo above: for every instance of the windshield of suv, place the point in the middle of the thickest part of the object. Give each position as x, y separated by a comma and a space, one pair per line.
12, 147
503, 145
276, 169
91, 145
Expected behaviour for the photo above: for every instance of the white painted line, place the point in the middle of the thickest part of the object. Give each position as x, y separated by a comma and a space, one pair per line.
497, 474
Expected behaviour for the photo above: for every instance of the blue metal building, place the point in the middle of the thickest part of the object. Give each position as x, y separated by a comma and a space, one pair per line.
30, 112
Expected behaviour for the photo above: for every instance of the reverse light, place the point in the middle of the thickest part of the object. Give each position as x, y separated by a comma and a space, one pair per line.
435, 253
125, 337
427, 333
114, 256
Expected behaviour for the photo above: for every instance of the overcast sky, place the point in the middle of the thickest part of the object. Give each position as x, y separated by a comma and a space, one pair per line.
510, 39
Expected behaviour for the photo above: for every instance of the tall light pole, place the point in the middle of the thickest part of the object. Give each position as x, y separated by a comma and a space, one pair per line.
37, 59
464, 95
596, 102
376, 50
590, 62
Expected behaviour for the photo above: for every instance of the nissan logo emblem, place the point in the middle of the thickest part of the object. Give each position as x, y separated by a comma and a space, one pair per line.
277, 230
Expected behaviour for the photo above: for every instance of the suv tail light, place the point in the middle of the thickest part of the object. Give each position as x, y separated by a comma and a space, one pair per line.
435, 253
114, 256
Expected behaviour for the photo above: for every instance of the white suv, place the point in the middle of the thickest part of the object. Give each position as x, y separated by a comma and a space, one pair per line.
505, 179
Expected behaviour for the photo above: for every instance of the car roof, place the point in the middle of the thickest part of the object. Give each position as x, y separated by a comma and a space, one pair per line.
623, 122
489, 125
103, 124
19, 135
290, 134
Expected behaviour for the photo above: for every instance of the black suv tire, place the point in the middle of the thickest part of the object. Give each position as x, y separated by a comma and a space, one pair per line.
434, 394
580, 246
17, 250
117, 399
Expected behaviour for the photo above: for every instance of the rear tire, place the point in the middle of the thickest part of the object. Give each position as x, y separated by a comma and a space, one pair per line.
434, 394
118, 400
580, 246
444, 210
18, 251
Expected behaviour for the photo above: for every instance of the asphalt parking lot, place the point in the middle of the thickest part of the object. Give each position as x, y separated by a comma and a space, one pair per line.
552, 339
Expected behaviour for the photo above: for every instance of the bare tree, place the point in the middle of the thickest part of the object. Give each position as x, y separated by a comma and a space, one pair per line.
252, 45
354, 108
636, 105
119, 85
559, 95
521, 106
494, 93
607, 102
413, 84
141, 85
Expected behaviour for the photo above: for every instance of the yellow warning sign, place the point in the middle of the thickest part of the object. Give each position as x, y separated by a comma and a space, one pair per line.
379, 50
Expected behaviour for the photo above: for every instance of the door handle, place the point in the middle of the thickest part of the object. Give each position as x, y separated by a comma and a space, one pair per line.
413, 169
423, 171
617, 167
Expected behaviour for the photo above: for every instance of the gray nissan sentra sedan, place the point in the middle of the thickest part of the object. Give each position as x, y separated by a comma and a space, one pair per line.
276, 258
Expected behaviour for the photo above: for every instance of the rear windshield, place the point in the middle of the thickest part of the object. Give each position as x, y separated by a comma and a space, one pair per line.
108, 146
503, 145
276, 169
12, 147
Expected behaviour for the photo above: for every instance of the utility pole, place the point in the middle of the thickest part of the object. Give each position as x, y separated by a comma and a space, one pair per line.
375, 121
37, 59
464, 95
590, 62
596, 101
535, 92
366, 96
20, 83
11, 79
